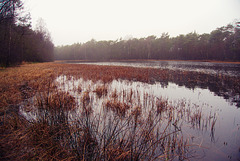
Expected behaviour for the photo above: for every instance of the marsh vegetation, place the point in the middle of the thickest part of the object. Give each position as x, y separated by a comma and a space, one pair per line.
91, 112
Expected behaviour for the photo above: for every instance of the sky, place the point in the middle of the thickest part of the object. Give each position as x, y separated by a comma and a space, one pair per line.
79, 21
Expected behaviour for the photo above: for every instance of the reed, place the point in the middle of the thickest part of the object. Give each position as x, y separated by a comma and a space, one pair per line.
117, 107
101, 91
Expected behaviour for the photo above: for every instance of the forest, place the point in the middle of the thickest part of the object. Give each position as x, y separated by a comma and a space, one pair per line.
221, 44
18, 41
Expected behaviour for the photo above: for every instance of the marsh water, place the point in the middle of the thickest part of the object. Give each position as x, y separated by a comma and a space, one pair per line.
208, 122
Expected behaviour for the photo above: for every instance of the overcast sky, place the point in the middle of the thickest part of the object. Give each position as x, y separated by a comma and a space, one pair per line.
72, 21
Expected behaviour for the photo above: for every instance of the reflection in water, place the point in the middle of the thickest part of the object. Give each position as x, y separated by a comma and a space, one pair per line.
195, 117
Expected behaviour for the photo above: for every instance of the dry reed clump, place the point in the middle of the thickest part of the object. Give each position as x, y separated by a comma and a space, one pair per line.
114, 94
137, 112
118, 107
196, 118
101, 91
54, 108
79, 89
56, 100
86, 98
161, 105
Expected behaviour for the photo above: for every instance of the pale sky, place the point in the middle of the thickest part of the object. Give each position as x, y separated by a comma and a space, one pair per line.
73, 21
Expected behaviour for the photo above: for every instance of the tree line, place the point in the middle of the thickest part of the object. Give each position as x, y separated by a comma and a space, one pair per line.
18, 41
221, 44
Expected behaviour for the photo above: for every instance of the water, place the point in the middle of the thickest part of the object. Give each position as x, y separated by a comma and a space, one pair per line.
215, 136
204, 67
